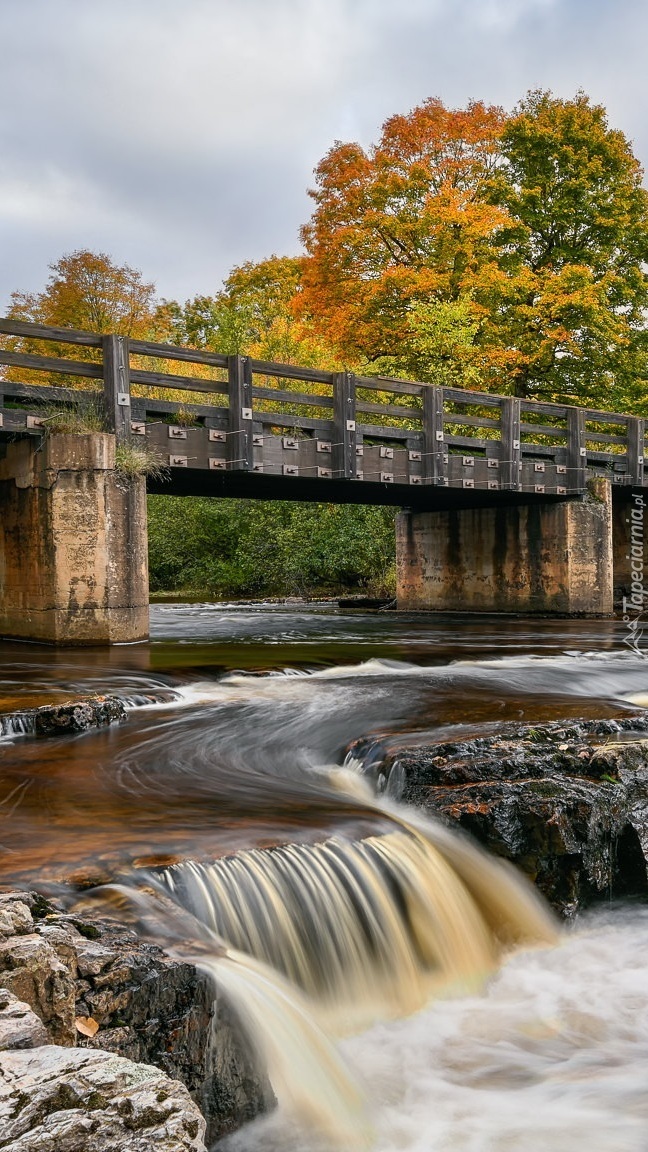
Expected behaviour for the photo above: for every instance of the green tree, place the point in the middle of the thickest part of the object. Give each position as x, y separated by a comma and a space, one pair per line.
253, 314
441, 345
570, 301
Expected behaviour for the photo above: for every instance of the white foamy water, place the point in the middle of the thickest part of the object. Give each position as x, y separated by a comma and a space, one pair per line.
552, 1057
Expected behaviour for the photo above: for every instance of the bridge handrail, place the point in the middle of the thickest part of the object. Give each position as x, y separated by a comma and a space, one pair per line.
440, 416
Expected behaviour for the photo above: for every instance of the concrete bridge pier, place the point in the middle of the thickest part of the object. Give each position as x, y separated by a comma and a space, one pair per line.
73, 544
553, 557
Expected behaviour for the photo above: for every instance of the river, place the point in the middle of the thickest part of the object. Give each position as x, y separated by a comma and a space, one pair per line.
452, 1035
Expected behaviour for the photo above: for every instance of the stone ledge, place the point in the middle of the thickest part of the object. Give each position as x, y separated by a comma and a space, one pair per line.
149, 1008
58, 1099
567, 802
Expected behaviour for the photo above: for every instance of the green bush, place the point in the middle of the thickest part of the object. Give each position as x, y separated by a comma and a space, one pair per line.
248, 548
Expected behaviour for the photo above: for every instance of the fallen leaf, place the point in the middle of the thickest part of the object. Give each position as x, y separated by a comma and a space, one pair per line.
86, 1025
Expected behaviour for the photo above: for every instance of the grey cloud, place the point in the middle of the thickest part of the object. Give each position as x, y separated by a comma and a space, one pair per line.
181, 137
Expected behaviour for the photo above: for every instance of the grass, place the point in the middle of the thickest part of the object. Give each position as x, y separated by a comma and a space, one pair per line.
80, 418
138, 460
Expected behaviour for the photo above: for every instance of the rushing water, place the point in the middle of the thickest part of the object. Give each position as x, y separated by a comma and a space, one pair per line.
323, 910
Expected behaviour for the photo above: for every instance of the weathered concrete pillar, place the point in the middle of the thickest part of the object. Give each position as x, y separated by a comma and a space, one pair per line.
73, 544
550, 557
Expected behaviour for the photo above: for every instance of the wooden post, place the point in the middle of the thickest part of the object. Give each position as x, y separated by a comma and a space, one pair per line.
239, 441
576, 450
434, 453
635, 434
116, 377
511, 444
344, 421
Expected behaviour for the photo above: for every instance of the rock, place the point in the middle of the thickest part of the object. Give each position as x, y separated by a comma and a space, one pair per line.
30, 968
566, 802
150, 1008
19, 1026
63, 719
73, 1100
15, 916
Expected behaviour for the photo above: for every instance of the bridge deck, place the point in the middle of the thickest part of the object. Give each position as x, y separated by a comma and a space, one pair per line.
242, 427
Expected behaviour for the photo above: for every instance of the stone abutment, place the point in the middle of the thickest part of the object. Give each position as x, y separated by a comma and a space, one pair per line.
73, 543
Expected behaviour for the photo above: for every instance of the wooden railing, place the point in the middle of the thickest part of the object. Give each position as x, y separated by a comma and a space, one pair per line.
246, 415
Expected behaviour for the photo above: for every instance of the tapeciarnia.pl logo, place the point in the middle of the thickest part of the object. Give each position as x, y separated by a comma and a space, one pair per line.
633, 605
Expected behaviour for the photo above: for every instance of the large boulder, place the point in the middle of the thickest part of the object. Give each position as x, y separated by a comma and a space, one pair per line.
55, 1099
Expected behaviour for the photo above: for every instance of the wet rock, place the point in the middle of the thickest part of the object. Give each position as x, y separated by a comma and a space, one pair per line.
566, 802
70, 1100
63, 719
148, 1007
19, 1026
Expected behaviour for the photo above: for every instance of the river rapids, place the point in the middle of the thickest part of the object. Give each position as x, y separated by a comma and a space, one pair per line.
403, 989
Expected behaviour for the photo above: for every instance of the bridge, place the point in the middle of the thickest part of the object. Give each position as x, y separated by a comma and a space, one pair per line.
509, 504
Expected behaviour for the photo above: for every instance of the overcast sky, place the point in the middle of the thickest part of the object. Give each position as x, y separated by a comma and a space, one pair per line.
180, 136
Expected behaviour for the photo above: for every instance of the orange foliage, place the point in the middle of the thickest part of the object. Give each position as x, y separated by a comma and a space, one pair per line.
409, 221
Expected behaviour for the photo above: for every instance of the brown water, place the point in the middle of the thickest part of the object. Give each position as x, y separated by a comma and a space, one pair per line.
332, 894
264, 700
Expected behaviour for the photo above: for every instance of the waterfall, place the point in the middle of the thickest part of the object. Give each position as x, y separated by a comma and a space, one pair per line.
312, 939
367, 929
331, 937
17, 724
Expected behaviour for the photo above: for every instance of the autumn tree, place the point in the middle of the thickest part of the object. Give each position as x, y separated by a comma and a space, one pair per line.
490, 251
571, 304
254, 314
403, 234
88, 291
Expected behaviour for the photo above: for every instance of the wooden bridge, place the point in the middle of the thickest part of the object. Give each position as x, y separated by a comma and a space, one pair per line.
510, 504
245, 427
